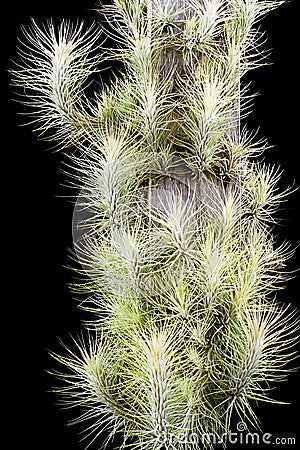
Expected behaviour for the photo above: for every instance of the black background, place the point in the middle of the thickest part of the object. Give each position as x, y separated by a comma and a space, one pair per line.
37, 230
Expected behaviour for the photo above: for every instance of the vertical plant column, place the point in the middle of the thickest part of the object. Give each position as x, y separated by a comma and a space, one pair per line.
180, 265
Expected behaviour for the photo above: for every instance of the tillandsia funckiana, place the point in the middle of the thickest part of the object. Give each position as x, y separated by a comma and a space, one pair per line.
180, 262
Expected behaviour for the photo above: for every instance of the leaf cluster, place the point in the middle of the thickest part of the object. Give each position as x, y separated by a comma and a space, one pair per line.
179, 261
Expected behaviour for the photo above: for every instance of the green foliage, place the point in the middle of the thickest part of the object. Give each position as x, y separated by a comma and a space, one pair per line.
179, 259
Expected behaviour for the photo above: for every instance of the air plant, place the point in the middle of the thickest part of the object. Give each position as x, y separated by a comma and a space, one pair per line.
180, 265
